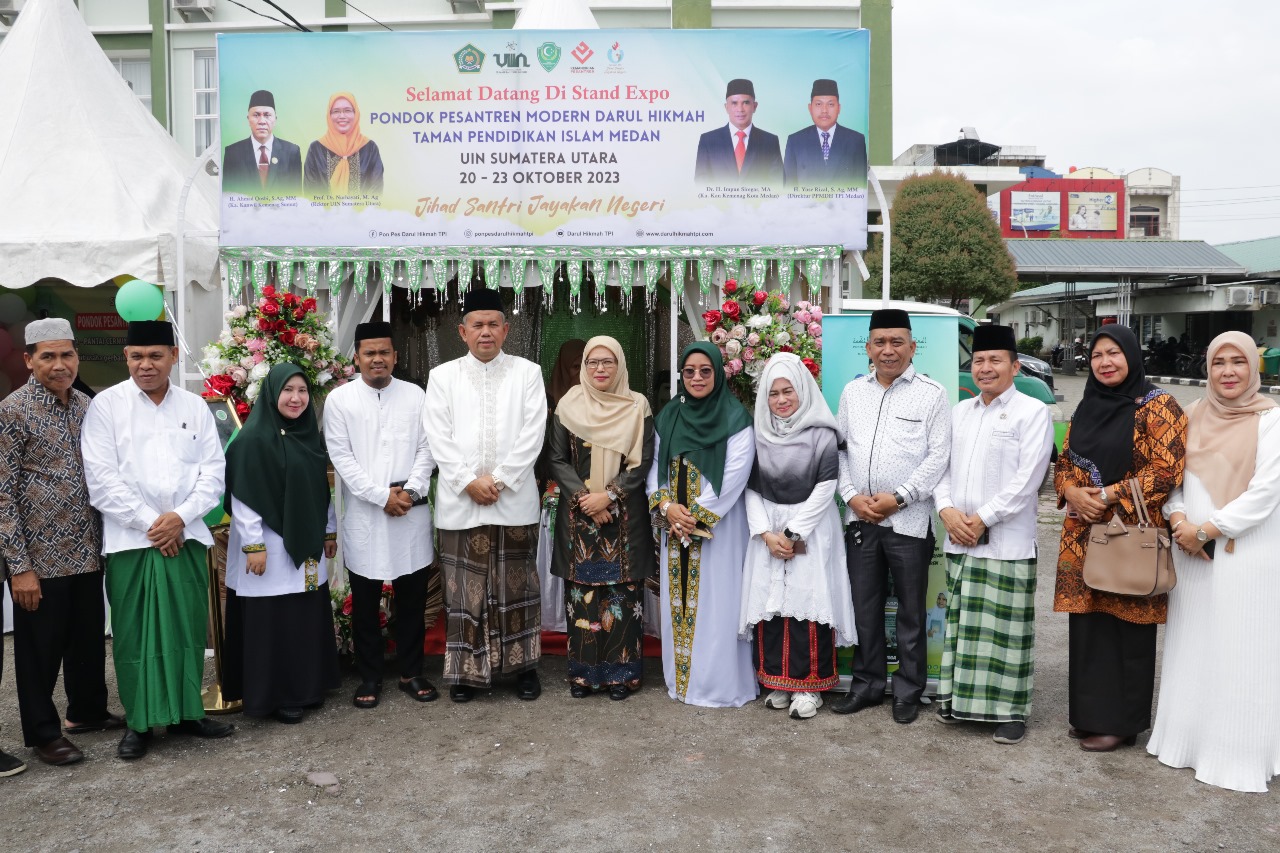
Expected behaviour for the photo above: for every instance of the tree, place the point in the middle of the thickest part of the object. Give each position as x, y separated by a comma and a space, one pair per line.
945, 245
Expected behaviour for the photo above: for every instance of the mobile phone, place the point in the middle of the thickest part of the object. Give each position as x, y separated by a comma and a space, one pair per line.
985, 538
1209, 548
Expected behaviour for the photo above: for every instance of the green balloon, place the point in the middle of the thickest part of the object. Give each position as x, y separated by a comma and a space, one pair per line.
139, 300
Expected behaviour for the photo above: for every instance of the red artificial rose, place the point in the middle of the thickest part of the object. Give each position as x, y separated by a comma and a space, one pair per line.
265, 325
730, 285
287, 336
812, 365
279, 326
346, 606
220, 385
268, 291
271, 309
712, 319
785, 348
309, 304
299, 313
382, 619
242, 409
731, 309
289, 300
759, 297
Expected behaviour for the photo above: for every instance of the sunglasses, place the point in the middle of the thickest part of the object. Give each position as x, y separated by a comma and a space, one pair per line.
691, 372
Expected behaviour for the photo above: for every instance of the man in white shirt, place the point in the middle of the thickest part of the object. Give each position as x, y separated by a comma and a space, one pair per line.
373, 429
895, 432
486, 415
1001, 441
154, 468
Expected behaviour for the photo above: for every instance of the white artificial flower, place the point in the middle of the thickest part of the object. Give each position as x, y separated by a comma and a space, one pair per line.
754, 368
323, 378
251, 393
733, 348
259, 371
225, 338
782, 338
759, 321
239, 311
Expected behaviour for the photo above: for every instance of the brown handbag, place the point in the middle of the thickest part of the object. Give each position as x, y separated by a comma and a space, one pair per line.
1130, 559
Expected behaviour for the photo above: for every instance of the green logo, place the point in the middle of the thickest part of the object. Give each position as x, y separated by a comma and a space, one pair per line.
469, 59
549, 55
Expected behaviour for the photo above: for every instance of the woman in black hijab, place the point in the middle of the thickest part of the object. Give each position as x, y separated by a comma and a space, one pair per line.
1124, 427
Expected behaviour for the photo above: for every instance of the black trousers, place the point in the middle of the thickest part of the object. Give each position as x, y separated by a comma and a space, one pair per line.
65, 631
409, 629
1111, 674
884, 553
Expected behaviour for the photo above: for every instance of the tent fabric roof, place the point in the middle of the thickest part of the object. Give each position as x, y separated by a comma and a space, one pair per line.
1107, 260
1260, 257
556, 15
90, 180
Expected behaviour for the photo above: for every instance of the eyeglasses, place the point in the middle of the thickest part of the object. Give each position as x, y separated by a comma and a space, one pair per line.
703, 372
601, 363
347, 112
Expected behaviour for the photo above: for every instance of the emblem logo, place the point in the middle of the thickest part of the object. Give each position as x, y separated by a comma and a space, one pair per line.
615, 54
469, 59
583, 52
549, 55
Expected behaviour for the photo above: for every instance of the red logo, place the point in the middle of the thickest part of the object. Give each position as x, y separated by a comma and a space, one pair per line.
582, 52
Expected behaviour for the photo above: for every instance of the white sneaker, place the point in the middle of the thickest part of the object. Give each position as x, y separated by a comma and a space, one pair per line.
805, 705
777, 700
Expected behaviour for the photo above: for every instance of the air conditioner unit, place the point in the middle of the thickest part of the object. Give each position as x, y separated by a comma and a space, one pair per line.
9, 10
189, 9
1268, 296
1240, 297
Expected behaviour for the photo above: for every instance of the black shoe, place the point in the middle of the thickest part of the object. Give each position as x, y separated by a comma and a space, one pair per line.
10, 766
203, 727
461, 692
133, 745
619, 692
578, 691
905, 712
1010, 733
289, 716
528, 687
852, 703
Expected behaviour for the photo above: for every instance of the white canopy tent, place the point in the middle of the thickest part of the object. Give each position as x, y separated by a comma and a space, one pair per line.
556, 15
90, 180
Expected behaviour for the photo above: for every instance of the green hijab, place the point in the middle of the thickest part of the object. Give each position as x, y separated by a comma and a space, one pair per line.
699, 429
276, 466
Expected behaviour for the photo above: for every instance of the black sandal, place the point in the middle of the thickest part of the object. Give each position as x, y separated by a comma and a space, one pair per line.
420, 689
367, 689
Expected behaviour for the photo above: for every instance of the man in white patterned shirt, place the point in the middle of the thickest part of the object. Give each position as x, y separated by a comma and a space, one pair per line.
987, 501
895, 431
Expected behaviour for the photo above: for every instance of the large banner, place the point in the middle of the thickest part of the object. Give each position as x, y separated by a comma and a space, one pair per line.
1092, 211
548, 137
1034, 211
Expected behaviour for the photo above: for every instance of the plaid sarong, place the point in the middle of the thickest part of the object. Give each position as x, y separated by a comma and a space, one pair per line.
988, 654
493, 606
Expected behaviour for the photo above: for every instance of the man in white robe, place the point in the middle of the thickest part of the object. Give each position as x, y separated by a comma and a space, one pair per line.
485, 415
373, 430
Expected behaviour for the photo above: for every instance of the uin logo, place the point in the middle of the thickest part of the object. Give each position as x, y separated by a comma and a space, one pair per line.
583, 52
469, 59
549, 55
511, 59
615, 54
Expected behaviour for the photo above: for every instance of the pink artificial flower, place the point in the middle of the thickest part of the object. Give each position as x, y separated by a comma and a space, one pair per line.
739, 331
817, 343
748, 354
804, 317
350, 369
816, 311
736, 364
239, 375
815, 329
258, 357
719, 336
340, 382
753, 340
247, 362
256, 344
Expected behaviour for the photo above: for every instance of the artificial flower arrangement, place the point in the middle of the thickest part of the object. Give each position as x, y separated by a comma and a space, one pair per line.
342, 620
280, 327
752, 325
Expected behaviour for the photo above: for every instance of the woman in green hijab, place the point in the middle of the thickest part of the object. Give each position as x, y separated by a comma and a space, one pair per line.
704, 452
280, 652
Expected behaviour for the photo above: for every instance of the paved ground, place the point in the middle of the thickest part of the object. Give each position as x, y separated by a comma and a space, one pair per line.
646, 774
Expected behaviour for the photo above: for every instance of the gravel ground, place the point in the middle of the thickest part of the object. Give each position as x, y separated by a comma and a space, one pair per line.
646, 774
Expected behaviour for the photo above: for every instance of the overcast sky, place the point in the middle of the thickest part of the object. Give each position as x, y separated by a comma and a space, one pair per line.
1189, 87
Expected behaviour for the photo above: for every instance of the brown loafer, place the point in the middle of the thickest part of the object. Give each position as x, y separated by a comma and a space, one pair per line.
1078, 734
1106, 743
59, 752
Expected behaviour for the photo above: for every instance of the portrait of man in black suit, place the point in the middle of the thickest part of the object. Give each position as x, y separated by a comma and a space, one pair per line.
825, 153
263, 164
739, 154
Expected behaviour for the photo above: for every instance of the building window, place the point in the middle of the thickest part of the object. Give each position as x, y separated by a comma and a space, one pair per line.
136, 71
1144, 221
205, 64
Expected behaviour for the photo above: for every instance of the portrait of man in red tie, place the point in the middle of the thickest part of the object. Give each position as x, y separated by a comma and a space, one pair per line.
739, 154
264, 164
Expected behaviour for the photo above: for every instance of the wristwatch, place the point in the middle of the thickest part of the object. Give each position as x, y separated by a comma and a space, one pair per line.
1201, 536
613, 496
899, 499
497, 482
413, 495
790, 534
663, 507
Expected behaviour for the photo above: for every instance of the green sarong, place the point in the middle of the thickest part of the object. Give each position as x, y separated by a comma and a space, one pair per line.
159, 615
988, 654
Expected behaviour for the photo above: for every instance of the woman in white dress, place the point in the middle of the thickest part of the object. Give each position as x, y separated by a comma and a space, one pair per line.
702, 458
1219, 707
796, 602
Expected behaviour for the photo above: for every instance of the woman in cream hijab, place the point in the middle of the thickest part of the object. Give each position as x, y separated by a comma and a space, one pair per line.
1219, 708
601, 450
344, 162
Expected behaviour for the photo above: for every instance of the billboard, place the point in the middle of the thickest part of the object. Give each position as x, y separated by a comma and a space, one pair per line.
1034, 211
548, 138
1091, 211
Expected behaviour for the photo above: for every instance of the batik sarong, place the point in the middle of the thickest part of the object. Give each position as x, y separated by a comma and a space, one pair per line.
606, 631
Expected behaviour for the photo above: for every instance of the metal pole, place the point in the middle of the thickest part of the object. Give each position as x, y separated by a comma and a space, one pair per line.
883, 228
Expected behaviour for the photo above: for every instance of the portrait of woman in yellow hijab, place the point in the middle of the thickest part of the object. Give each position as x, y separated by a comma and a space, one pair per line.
344, 162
